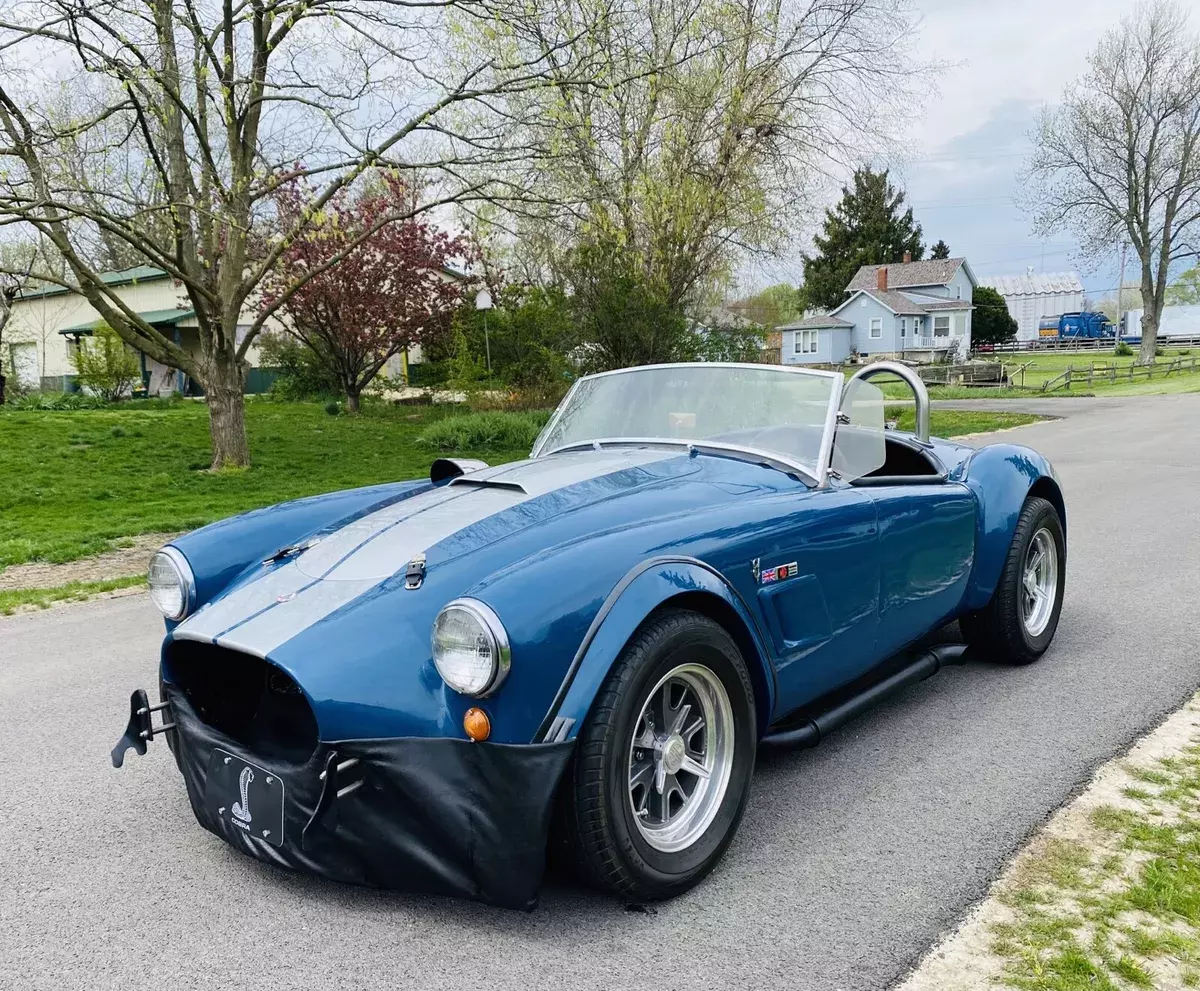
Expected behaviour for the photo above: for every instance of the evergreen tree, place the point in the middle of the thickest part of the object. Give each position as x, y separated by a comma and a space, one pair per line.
940, 250
866, 227
991, 323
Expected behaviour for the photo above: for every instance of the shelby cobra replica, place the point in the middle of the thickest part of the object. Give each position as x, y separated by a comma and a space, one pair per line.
417, 685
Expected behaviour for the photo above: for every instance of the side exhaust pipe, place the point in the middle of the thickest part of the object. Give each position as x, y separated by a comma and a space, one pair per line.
921, 665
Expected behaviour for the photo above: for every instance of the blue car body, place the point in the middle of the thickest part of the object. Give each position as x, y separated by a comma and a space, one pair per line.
575, 569
364, 743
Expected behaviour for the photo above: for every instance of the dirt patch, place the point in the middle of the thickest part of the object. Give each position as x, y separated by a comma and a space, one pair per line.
117, 563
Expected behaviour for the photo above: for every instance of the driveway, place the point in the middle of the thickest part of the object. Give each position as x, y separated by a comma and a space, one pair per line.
851, 860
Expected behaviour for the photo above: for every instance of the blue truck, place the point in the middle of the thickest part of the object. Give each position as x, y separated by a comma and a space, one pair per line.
1087, 324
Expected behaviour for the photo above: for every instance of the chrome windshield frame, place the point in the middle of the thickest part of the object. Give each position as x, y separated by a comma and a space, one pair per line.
816, 475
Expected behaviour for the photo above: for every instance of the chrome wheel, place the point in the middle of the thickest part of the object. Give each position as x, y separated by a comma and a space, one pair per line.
681, 757
1039, 583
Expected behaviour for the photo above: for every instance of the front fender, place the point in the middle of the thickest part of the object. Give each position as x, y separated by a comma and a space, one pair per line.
1002, 477
644, 589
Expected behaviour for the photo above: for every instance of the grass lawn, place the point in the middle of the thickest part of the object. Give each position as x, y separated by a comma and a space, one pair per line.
73, 482
42, 598
1048, 365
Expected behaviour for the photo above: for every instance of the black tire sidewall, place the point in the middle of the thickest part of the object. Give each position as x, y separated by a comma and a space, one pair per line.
701, 642
1037, 515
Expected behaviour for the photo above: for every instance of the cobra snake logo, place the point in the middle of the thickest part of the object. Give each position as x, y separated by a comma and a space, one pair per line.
241, 810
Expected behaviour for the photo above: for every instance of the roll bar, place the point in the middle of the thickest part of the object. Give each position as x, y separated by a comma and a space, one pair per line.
915, 382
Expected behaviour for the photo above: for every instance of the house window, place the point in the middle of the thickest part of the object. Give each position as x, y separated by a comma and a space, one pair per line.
904, 326
876, 327
941, 326
806, 342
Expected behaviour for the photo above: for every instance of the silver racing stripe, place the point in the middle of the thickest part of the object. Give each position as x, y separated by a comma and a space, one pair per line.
261, 615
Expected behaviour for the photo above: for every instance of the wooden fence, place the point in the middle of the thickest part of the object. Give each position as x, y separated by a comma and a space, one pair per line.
1107, 371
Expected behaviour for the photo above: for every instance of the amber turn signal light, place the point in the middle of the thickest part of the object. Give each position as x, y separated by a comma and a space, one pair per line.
477, 724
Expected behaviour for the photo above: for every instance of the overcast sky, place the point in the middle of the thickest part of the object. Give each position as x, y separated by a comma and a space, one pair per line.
1010, 57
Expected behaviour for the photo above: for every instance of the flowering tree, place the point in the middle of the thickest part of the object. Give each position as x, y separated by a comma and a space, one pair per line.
364, 295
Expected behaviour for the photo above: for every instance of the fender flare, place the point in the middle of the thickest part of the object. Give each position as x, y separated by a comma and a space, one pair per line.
643, 589
1002, 477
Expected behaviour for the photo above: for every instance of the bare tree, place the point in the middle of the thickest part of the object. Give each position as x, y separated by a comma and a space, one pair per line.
182, 118
721, 126
1119, 157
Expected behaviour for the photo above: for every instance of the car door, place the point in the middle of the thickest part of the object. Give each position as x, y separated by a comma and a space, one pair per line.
926, 549
817, 591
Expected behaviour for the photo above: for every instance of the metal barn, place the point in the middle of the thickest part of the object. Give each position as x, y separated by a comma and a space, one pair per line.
1035, 295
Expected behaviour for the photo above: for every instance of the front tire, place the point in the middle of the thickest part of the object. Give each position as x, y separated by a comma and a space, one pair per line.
663, 765
1017, 625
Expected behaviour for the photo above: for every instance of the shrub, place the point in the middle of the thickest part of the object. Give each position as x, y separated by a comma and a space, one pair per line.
1123, 350
105, 364
302, 373
332, 408
509, 431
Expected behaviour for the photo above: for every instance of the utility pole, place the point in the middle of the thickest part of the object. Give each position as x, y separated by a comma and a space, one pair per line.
1121, 292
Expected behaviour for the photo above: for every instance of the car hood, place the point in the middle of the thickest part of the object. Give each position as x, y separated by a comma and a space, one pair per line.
272, 605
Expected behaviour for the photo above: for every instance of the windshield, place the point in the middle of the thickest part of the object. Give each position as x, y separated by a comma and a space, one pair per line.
778, 411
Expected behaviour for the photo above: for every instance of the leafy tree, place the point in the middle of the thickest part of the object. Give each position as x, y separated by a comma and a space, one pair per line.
724, 343
940, 250
991, 323
710, 136
528, 334
1118, 159
625, 316
369, 291
773, 306
866, 227
105, 364
1185, 291
182, 118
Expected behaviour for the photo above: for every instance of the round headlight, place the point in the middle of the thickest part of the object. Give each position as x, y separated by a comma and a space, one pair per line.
470, 647
172, 585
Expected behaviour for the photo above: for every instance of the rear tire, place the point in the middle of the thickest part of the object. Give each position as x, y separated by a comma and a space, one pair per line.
663, 764
1017, 625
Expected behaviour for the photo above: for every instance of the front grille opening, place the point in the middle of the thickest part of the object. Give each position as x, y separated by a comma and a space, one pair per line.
246, 698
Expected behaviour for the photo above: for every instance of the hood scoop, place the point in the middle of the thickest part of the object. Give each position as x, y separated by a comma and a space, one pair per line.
450, 468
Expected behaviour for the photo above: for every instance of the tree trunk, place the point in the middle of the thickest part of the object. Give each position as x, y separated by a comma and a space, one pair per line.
1151, 314
227, 420
351, 401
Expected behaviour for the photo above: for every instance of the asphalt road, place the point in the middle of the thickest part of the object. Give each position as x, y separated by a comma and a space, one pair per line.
851, 860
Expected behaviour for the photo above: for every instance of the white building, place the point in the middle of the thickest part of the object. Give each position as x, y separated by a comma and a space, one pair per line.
1176, 321
1035, 295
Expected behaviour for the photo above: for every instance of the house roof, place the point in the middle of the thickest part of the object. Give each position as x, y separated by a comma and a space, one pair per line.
945, 304
904, 275
168, 317
897, 302
125, 277
819, 321
1035, 283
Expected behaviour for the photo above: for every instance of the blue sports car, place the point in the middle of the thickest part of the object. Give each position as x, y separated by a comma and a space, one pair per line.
427, 684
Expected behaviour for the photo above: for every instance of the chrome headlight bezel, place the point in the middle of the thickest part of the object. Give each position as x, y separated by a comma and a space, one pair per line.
497, 638
185, 580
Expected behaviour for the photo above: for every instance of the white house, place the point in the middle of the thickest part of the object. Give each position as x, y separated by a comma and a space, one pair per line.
917, 311
45, 326
1031, 296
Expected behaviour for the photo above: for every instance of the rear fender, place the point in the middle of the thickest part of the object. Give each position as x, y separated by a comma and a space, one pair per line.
654, 584
1002, 477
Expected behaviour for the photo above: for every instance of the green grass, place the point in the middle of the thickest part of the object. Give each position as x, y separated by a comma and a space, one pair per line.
1048, 365
72, 483
1087, 918
42, 598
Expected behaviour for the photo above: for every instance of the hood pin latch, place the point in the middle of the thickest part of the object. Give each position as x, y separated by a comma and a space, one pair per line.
415, 573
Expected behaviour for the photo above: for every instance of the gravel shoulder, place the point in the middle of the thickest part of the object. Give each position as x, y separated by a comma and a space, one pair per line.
130, 559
